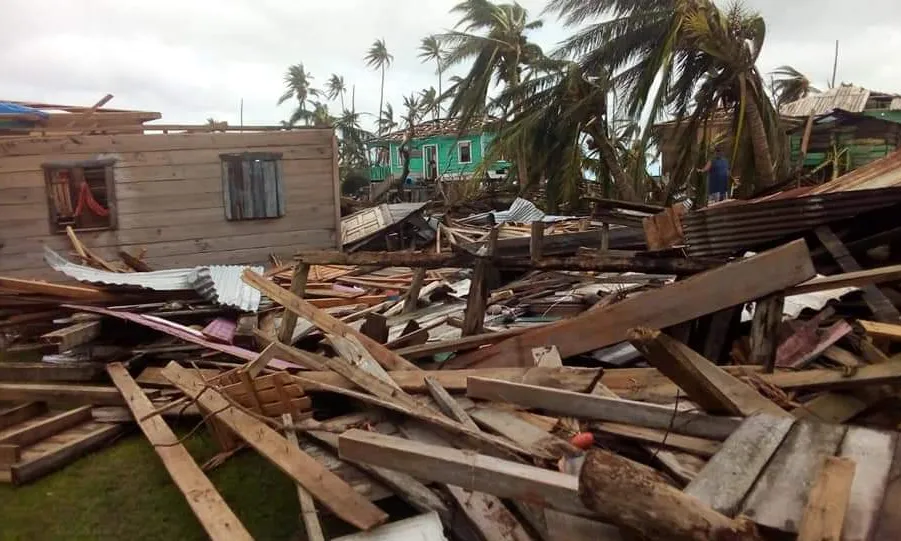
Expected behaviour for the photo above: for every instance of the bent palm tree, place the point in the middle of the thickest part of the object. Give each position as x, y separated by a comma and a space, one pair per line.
430, 103
431, 49
791, 85
336, 88
379, 58
298, 83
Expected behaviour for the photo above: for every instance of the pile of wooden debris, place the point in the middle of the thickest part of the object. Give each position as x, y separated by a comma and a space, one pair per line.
506, 393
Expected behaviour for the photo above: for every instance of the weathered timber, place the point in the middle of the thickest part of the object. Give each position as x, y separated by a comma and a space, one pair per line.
598, 263
731, 473
472, 471
214, 514
98, 395
412, 296
848, 279
460, 344
873, 452
477, 299
330, 490
326, 322
447, 404
824, 514
307, 505
765, 331
599, 408
637, 498
21, 413
536, 242
289, 318
888, 525
729, 285
73, 335
714, 389
696, 446
34, 432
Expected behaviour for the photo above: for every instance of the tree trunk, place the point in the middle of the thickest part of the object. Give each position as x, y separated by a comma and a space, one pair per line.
440, 93
382, 105
608, 155
763, 159
632, 496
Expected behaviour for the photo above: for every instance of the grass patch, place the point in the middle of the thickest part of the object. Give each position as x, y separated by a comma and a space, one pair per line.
124, 492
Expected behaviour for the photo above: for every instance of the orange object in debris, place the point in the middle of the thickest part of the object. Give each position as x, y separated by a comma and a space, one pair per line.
582, 440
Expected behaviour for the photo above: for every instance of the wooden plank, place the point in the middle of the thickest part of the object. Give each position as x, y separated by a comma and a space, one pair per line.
777, 499
56, 290
524, 433
730, 474
73, 335
9, 455
28, 470
888, 522
477, 300
448, 405
831, 408
413, 381
696, 446
709, 292
765, 331
420, 528
34, 432
536, 242
479, 473
214, 514
307, 505
872, 451
714, 389
848, 279
592, 407
880, 305
323, 320
824, 514
98, 395
412, 296
548, 356
460, 344
881, 330
19, 414
330, 490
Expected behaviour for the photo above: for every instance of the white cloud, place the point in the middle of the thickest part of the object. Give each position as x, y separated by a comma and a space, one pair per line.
192, 59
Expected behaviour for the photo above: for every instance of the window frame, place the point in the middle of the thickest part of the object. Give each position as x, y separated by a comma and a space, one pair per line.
108, 167
244, 160
460, 145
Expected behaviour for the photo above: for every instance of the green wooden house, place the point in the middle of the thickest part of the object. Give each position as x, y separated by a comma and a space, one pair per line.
439, 152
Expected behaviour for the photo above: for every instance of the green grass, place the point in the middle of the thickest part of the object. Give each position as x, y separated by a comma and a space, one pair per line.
124, 492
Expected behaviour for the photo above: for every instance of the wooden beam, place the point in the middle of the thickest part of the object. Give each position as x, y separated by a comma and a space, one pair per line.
880, 305
58, 456
323, 320
765, 331
412, 297
460, 344
696, 446
891, 331
80, 293
330, 490
413, 381
536, 242
213, 513
476, 472
637, 498
74, 335
19, 414
592, 407
289, 318
712, 291
98, 395
824, 514
447, 404
45, 428
714, 389
477, 300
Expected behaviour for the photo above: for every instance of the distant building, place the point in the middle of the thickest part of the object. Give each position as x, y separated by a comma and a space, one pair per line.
439, 152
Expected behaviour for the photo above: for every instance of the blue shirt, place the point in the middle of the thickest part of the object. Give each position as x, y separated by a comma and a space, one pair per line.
718, 176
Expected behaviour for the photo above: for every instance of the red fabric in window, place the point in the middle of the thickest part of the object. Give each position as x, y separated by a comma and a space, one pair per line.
85, 197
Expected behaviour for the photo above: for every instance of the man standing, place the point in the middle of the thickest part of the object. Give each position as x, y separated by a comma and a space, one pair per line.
717, 171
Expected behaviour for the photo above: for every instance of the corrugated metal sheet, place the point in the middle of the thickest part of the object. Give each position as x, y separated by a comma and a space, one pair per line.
522, 211
847, 97
220, 284
724, 230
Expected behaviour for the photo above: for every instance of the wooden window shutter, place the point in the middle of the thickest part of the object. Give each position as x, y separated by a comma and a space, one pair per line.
252, 186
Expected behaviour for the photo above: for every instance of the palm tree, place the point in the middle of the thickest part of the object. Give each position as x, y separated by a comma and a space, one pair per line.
386, 121
378, 58
686, 54
791, 85
352, 140
431, 49
298, 83
336, 88
493, 38
430, 102
319, 116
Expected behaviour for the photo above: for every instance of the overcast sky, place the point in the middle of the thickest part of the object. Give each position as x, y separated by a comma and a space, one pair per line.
194, 59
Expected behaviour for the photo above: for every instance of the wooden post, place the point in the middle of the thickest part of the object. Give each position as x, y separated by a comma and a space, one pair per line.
605, 238
289, 319
635, 497
765, 331
476, 302
307, 505
536, 243
413, 293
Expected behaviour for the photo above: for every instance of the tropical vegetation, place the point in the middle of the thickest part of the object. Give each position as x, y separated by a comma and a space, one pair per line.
585, 113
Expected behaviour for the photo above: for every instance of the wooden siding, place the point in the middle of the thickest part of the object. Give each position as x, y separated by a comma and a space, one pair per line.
169, 199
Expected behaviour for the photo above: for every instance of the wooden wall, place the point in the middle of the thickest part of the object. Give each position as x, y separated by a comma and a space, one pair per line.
169, 199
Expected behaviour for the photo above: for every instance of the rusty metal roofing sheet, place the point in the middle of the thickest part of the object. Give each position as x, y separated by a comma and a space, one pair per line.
847, 97
728, 229
220, 284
